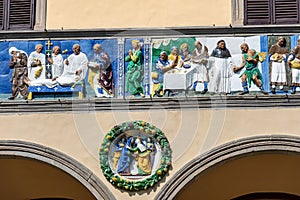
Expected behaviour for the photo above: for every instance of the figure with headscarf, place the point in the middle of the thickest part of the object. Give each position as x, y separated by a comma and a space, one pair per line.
135, 71
278, 56
118, 150
124, 162
221, 63
19, 78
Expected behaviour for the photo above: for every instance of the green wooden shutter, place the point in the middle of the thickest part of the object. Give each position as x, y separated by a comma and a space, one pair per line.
20, 14
286, 11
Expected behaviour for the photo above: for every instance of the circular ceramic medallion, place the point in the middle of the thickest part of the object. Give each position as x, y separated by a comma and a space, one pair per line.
135, 155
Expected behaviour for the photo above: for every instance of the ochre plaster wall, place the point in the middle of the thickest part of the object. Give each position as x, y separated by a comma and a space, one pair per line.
257, 173
190, 132
82, 14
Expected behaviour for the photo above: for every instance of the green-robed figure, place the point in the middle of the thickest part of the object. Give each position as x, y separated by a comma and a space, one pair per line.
250, 60
135, 70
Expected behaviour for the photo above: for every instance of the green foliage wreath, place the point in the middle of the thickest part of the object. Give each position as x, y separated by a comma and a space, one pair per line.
135, 185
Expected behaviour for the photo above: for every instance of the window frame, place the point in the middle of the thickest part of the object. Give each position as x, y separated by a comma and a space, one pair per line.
37, 21
239, 14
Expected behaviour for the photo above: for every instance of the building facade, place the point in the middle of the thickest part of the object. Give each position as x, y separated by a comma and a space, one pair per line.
224, 145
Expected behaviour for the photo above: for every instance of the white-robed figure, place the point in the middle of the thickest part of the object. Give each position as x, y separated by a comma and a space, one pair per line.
220, 63
278, 56
75, 67
57, 62
36, 64
199, 63
74, 70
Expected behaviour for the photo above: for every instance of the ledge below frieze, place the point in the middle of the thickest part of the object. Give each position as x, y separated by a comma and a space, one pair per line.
107, 105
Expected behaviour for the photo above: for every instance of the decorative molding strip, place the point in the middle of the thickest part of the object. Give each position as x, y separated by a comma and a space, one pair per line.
121, 68
16, 148
155, 32
232, 150
104, 105
147, 64
265, 65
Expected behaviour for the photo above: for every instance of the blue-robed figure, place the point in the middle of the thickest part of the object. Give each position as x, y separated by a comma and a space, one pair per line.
162, 65
125, 158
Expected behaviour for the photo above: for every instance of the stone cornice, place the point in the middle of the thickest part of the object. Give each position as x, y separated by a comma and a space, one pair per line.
152, 32
144, 104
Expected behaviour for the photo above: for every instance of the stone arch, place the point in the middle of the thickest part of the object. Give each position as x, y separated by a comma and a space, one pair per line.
229, 151
21, 149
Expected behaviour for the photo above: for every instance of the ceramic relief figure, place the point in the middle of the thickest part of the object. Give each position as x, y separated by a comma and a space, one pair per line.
19, 78
57, 62
250, 59
151, 149
135, 71
75, 69
199, 62
143, 157
175, 58
135, 157
36, 64
278, 56
175, 80
185, 55
118, 150
100, 72
221, 64
126, 158
162, 65
294, 64
177, 63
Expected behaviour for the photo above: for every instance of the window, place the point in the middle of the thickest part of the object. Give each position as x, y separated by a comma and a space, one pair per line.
17, 14
271, 12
